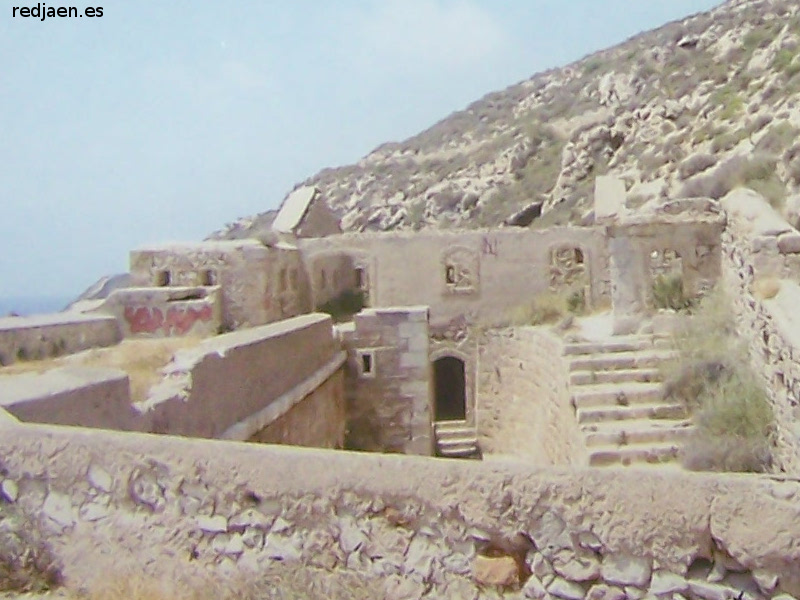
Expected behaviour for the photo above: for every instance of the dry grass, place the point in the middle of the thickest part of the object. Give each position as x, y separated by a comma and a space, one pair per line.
142, 360
729, 406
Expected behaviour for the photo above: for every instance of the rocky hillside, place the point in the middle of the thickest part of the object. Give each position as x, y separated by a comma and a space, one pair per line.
693, 108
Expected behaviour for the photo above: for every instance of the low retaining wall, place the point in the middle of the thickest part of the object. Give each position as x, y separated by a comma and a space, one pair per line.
524, 406
760, 249
78, 396
45, 336
167, 311
183, 510
237, 384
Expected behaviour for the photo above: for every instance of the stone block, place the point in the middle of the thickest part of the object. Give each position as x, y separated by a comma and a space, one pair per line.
622, 569
414, 360
499, 571
789, 243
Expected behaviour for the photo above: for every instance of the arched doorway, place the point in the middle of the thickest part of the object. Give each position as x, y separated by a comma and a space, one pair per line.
451, 390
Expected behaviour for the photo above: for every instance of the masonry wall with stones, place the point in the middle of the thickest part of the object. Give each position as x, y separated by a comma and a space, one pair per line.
167, 311
45, 336
482, 276
235, 386
78, 396
524, 403
761, 264
182, 510
332, 275
388, 383
259, 284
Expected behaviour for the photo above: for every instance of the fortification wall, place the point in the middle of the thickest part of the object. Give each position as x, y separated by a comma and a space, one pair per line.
524, 404
235, 385
480, 275
79, 396
44, 336
184, 510
259, 284
389, 381
167, 311
761, 252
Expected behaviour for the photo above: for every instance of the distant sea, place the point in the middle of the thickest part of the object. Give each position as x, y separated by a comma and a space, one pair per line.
33, 305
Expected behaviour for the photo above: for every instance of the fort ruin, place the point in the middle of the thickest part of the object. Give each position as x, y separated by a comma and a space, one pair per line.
433, 366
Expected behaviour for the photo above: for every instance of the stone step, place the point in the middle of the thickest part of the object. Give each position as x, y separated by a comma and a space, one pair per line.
618, 376
602, 456
637, 411
453, 430
616, 394
457, 449
615, 344
640, 431
620, 360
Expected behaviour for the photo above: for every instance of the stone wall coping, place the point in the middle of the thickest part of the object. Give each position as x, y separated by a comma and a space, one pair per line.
212, 245
30, 387
50, 320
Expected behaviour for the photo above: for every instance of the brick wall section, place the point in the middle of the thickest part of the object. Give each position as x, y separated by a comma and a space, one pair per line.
230, 378
524, 406
316, 421
389, 409
45, 336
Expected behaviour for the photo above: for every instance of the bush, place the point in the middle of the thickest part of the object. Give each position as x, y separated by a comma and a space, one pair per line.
696, 164
344, 306
729, 406
27, 564
668, 292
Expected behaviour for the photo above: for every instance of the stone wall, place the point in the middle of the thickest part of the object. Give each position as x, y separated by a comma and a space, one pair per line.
760, 251
259, 284
79, 396
167, 311
482, 276
45, 336
524, 405
178, 510
317, 421
235, 385
389, 381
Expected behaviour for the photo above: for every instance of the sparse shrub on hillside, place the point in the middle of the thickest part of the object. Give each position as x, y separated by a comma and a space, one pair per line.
548, 308
712, 378
777, 138
728, 101
728, 140
757, 173
758, 37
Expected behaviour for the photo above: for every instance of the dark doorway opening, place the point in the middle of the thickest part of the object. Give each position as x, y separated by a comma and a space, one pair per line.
451, 389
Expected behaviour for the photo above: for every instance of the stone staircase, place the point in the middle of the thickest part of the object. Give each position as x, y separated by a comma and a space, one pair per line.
617, 394
456, 439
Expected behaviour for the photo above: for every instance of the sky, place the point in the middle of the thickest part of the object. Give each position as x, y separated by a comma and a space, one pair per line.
163, 121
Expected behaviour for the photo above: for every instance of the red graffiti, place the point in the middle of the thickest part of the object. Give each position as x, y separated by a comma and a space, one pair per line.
178, 321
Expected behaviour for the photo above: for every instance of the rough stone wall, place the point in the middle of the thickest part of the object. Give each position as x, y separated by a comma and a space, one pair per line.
478, 275
183, 510
316, 421
167, 312
230, 383
331, 274
524, 406
32, 338
758, 249
388, 383
318, 221
259, 284
78, 396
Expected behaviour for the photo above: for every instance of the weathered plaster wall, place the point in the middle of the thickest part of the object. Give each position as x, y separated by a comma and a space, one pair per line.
44, 336
167, 311
388, 382
760, 250
524, 404
182, 510
482, 275
79, 396
331, 274
317, 421
259, 284
236, 384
